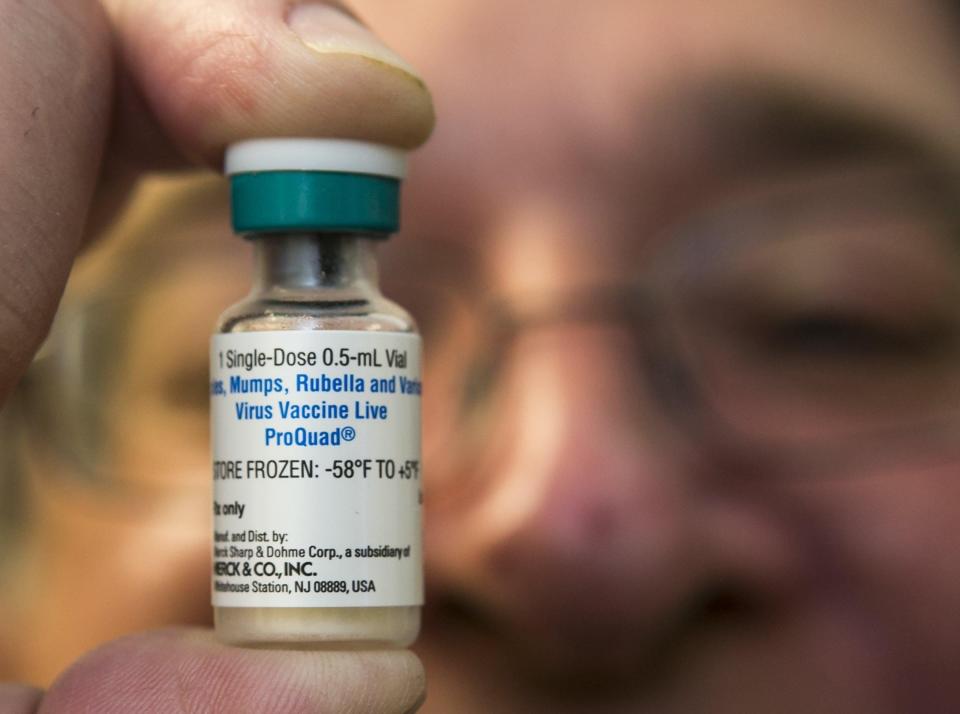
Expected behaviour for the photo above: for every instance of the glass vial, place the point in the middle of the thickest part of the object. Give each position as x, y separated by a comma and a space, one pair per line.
315, 408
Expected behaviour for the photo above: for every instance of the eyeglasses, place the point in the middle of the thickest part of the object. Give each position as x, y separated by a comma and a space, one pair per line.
809, 326
812, 326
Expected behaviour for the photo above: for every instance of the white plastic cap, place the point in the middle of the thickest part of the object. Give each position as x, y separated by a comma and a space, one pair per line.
342, 155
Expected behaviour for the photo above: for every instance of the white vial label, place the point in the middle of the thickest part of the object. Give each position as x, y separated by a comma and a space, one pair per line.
316, 469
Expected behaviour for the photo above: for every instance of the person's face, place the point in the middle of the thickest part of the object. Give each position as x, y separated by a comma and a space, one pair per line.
582, 556
585, 552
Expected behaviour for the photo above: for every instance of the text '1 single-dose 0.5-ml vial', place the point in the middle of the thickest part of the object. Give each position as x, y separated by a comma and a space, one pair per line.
315, 408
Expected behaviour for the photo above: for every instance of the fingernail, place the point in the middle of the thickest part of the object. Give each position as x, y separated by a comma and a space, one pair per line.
326, 28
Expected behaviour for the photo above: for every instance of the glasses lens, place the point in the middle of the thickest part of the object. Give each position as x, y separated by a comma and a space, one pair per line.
823, 314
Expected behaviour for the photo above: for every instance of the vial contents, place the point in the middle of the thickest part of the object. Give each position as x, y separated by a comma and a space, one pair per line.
315, 394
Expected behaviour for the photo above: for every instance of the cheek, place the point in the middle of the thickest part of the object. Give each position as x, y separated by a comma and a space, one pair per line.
888, 538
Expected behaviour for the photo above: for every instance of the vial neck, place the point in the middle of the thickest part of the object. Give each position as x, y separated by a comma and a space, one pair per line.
291, 262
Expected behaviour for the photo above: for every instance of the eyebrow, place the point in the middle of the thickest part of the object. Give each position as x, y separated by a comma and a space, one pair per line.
753, 125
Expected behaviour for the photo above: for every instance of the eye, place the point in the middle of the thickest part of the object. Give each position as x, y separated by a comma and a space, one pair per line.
843, 293
828, 311
849, 337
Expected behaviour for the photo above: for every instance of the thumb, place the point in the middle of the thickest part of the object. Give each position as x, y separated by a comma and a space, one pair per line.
215, 72
184, 670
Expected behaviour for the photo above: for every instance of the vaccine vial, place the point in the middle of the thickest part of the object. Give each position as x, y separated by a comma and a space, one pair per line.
315, 408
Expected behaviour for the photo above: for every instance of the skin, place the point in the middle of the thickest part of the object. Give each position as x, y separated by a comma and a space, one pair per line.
548, 591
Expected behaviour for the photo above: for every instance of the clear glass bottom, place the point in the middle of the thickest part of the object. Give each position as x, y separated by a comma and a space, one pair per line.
318, 627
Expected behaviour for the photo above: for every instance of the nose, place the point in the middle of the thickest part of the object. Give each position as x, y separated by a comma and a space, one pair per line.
580, 533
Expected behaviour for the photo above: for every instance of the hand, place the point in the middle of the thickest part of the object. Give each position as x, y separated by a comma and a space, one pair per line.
188, 671
93, 95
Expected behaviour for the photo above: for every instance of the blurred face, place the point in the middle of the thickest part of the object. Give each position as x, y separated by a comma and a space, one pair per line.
692, 364
747, 164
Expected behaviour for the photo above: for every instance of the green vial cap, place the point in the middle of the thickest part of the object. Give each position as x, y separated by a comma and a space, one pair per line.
337, 185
